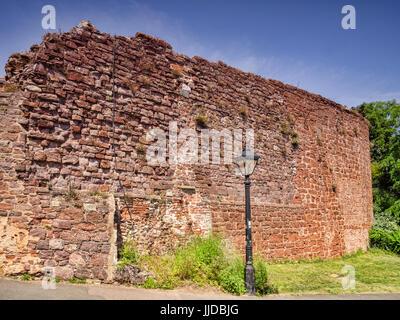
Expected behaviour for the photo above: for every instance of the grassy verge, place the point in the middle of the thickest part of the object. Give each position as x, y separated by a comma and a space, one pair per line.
375, 271
202, 261
208, 262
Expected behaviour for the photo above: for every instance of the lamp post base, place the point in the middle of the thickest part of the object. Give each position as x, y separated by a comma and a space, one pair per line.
249, 279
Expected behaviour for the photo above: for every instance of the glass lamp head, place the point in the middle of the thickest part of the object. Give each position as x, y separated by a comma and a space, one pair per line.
247, 162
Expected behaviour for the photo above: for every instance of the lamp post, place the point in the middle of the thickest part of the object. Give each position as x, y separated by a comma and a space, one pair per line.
247, 162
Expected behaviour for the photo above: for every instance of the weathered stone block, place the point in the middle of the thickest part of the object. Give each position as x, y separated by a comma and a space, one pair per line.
33, 88
98, 259
62, 224
94, 217
64, 273
42, 245
185, 90
39, 156
53, 157
70, 159
99, 273
77, 259
56, 244
130, 274
38, 232
89, 246
45, 124
60, 255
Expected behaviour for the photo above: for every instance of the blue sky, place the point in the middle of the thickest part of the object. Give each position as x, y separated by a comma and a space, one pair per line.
298, 42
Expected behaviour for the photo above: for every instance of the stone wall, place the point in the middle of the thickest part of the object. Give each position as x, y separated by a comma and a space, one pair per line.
157, 224
282, 231
72, 232
75, 236
311, 191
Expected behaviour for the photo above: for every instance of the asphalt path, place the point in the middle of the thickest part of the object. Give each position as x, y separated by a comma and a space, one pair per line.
11, 289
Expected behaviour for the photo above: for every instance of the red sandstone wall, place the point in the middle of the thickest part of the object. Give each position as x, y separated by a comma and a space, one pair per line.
310, 199
74, 237
158, 224
39, 227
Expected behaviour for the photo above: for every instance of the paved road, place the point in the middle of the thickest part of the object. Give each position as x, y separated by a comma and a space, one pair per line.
32, 290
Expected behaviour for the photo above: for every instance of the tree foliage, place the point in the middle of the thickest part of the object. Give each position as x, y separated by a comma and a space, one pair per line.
384, 118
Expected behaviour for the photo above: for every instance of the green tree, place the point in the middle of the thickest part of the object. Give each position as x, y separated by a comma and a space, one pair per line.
384, 118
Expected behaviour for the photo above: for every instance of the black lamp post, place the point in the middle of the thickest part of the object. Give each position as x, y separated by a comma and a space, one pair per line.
247, 162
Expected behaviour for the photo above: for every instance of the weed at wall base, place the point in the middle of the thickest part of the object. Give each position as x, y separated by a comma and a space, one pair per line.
128, 254
205, 261
75, 280
27, 277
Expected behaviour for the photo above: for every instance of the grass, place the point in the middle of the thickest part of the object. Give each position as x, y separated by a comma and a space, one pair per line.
207, 261
203, 261
295, 142
285, 128
201, 120
140, 149
75, 280
133, 87
319, 141
98, 193
71, 194
243, 111
27, 277
375, 271
145, 81
10, 87
147, 66
176, 72
128, 254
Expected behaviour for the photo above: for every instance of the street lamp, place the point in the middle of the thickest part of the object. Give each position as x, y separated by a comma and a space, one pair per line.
247, 162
